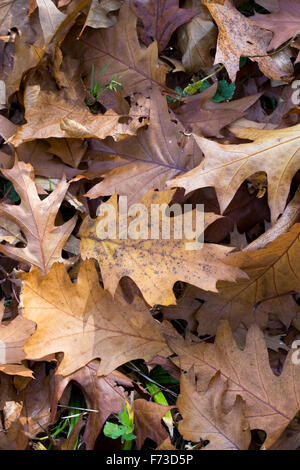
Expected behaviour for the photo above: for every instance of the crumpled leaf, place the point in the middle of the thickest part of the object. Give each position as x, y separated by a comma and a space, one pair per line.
99, 15
67, 118
36, 218
205, 417
91, 324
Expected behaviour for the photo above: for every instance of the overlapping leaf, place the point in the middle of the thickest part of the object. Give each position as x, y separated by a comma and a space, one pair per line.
271, 402
155, 264
36, 218
91, 324
225, 167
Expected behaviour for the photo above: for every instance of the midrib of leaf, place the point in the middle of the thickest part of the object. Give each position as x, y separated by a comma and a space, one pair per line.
93, 326
214, 425
117, 59
244, 160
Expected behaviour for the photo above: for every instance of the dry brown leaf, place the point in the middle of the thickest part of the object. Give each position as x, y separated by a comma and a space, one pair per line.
160, 19
285, 23
205, 417
105, 395
147, 421
274, 272
70, 151
186, 308
13, 336
271, 401
68, 118
148, 160
100, 14
91, 324
239, 36
197, 38
26, 412
137, 67
154, 264
226, 166
50, 17
36, 398
205, 118
36, 218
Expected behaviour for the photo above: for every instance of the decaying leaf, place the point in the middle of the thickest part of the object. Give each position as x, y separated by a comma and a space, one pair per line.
239, 36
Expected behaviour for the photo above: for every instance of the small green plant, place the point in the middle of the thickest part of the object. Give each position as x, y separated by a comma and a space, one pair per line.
97, 89
124, 429
225, 91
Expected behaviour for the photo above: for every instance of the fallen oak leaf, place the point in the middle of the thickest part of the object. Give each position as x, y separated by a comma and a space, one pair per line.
147, 421
274, 272
160, 19
239, 36
67, 118
203, 117
91, 324
285, 23
271, 401
226, 166
104, 395
154, 264
138, 68
36, 219
13, 336
205, 418
153, 156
